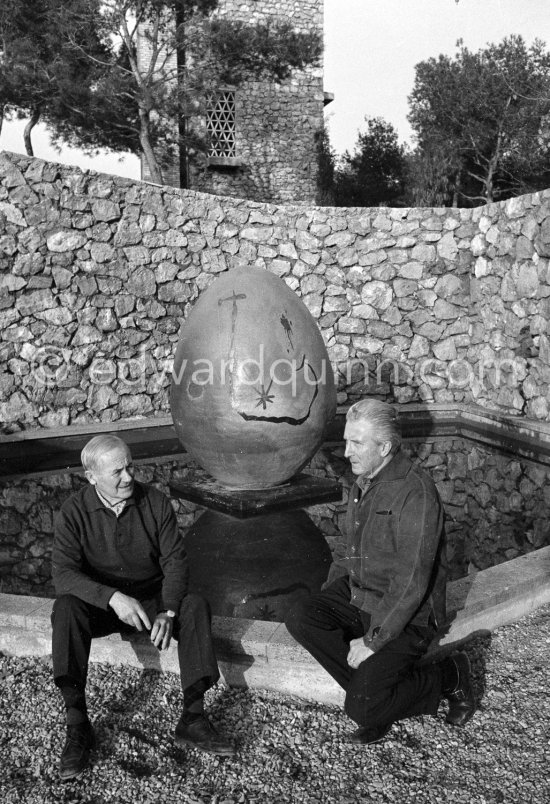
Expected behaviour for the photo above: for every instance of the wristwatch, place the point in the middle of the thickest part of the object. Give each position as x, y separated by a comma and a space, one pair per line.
168, 612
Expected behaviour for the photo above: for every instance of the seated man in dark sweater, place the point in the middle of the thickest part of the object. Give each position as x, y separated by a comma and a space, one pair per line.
118, 562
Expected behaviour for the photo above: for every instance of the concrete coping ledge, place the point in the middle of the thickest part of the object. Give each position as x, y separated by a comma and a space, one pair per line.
29, 453
462, 413
256, 653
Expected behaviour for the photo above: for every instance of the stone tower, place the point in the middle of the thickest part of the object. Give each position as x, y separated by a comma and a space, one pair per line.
264, 133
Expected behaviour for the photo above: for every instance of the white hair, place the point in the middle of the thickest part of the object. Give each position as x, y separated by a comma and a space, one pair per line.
382, 417
99, 446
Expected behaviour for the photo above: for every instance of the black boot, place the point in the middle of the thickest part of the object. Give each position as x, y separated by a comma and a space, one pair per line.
368, 736
200, 733
76, 751
460, 694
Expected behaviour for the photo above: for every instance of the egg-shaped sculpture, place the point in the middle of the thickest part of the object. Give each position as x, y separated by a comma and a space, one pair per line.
252, 385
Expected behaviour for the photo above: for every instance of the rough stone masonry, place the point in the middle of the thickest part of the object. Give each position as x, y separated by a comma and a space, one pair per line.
444, 305
97, 273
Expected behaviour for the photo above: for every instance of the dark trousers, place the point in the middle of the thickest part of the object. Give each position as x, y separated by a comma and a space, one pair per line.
75, 623
386, 687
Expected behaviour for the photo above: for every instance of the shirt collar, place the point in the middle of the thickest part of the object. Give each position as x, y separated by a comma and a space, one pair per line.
116, 508
94, 502
394, 469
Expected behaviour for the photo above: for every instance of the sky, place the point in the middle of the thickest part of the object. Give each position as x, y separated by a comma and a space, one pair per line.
371, 49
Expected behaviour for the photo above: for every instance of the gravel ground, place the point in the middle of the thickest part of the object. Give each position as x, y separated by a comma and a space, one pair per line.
288, 751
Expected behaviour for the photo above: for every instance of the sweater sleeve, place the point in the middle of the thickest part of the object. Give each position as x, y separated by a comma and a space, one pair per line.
69, 577
418, 535
173, 559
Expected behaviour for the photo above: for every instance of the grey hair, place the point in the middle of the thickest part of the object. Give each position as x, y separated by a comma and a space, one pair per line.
382, 417
97, 447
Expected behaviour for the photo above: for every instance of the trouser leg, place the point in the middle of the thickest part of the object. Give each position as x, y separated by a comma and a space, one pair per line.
390, 685
324, 624
196, 655
386, 687
74, 624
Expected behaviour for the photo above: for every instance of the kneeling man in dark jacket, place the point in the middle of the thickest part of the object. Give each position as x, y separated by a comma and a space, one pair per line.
385, 598
118, 563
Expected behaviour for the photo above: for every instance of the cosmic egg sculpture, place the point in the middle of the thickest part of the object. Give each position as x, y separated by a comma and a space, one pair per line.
252, 386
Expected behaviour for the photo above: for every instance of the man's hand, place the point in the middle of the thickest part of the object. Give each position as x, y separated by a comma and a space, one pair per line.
161, 632
130, 611
358, 652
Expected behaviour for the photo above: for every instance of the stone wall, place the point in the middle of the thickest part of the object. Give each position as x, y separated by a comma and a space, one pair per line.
497, 507
275, 139
97, 274
276, 122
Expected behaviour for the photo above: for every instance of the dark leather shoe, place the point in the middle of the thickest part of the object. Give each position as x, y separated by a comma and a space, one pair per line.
462, 699
368, 736
76, 751
202, 734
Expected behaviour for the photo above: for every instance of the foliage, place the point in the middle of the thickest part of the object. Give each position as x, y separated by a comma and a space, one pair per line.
273, 49
147, 99
41, 75
374, 174
326, 169
480, 121
429, 177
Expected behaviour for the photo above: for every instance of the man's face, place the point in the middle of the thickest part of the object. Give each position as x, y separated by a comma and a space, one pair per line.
365, 454
113, 476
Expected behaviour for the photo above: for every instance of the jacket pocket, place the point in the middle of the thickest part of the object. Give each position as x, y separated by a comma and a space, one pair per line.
383, 529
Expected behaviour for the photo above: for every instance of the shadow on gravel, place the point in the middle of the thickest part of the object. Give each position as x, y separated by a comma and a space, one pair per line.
134, 696
138, 768
231, 711
478, 648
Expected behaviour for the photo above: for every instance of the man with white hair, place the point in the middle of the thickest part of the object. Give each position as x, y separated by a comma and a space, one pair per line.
385, 597
119, 562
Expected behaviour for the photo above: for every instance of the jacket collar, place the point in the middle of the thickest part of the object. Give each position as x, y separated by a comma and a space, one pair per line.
397, 468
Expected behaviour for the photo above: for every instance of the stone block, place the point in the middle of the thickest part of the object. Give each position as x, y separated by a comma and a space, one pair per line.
424, 253
346, 257
128, 233
137, 255
447, 247
307, 241
312, 283
527, 282
86, 334
430, 330
411, 270
448, 286
376, 294
10, 283
445, 349
404, 287
444, 310
102, 252
367, 344
105, 210
142, 282
524, 248
340, 239
335, 304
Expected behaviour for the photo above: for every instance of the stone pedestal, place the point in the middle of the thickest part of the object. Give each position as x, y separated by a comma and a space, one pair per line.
253, 553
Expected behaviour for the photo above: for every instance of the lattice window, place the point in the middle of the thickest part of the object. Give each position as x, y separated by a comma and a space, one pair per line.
220, 123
